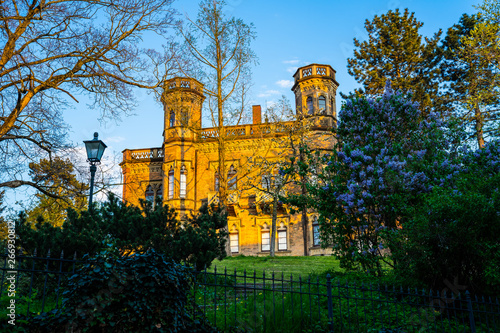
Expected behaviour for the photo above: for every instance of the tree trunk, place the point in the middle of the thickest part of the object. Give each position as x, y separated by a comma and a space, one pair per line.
304, 213
304, 230
479, 126
273, 225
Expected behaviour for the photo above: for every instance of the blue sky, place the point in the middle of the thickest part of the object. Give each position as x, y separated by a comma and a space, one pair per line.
290, 34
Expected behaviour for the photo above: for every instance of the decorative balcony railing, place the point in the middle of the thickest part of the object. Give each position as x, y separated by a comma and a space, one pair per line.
143, 154
255, 130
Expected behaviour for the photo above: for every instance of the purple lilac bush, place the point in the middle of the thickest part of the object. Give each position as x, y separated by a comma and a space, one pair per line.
387, 155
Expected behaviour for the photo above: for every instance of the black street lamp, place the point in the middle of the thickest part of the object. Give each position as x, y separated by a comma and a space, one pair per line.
95, 149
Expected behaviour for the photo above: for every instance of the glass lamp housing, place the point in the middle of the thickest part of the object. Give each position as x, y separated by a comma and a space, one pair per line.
95, 149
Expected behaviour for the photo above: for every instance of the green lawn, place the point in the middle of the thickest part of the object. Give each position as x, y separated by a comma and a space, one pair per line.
303, 266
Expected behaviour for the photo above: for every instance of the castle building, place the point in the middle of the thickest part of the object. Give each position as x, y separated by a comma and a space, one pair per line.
183, 171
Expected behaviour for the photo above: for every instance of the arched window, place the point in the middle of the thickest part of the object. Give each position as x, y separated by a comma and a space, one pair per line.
234, 239
150, 194
322, 104
232, 179
182, 191
265, 239
315, 225
172, 118
171, 180
309, 102
216, 182
282, 239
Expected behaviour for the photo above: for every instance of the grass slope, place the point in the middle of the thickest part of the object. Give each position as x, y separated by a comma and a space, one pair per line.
296, 266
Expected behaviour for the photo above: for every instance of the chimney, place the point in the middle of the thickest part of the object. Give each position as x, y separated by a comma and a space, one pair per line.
256, 114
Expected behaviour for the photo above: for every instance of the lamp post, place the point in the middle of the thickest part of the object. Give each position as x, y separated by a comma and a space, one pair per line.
95, 149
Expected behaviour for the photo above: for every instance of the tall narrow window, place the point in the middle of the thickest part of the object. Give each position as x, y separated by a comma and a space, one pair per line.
266, 244
171, 180
232, 179
216, 182
282, 240
322, 104
266, 182
332, 107
315, 225
182, 192
233, 240
150, 194
309, 102
172, 118
159, 193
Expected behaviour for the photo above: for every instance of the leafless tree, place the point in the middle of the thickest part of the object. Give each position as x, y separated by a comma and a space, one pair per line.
266, 171
53, 52
220, 58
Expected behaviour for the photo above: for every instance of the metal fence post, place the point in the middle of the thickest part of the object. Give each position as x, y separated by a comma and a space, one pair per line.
330, 302
471, 313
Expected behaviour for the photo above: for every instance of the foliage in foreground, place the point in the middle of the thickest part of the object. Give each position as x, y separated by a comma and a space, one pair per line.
112, 293
197, 240
453, 235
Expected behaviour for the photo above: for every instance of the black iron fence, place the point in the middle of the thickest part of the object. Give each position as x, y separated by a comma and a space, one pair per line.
273, 303
242, 302
37, 281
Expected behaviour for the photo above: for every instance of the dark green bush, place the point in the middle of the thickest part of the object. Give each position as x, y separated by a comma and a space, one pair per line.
139, 293
452, 238
196, 241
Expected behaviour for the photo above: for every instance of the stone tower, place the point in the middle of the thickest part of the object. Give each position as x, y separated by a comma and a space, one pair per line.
182, 101
315, 88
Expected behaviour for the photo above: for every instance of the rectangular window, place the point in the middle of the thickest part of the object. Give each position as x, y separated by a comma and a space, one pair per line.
182, 191
231, 183
266, 245
170, 184
282, 240
266, 182
233, 242
316, 240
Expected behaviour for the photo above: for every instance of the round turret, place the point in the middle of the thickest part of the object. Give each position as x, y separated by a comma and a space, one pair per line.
182, 101
315, 89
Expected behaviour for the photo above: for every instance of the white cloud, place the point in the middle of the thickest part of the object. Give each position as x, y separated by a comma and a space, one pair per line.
270, 103
268, 93
114, 139
291, 62
291, 69
285, 83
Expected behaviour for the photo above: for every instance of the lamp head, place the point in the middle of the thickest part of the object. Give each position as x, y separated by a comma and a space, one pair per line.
95, 149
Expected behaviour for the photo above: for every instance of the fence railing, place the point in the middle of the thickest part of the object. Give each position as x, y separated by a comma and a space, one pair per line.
37, 281
253, 302
273, 303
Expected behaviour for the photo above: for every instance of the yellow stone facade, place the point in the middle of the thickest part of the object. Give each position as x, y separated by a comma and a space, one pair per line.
182, 172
